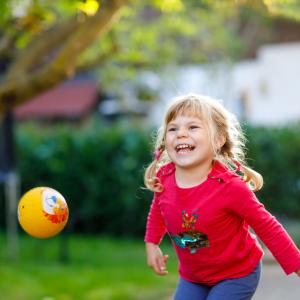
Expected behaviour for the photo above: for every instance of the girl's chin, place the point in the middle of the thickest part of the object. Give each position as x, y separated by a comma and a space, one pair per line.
188, 162
184, 163
183, 155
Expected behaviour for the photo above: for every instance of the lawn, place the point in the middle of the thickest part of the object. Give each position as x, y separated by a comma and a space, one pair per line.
99, 268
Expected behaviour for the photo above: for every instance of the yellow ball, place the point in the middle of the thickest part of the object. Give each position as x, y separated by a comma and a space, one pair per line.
43, 212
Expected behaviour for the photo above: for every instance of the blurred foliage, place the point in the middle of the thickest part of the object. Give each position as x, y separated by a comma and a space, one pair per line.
153, 36
99, 169
149, 34
290, 8
274, 152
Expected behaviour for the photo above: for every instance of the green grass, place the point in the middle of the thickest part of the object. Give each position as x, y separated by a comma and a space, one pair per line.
99, 268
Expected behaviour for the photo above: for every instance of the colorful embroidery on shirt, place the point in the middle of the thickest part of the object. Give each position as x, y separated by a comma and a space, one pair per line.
190, 238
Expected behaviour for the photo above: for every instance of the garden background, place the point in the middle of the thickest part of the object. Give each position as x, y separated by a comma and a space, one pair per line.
97, 161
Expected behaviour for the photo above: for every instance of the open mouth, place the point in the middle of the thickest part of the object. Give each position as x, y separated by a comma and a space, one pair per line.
184, 148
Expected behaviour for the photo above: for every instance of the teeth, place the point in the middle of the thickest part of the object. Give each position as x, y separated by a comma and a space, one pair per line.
183, 146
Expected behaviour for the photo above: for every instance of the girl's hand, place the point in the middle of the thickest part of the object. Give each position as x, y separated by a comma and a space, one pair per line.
298, 273
156, 260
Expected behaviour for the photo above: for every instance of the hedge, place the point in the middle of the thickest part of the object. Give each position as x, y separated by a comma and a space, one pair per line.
275, 153
99, 169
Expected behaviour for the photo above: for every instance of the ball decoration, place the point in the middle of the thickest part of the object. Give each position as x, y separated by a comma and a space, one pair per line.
43, 212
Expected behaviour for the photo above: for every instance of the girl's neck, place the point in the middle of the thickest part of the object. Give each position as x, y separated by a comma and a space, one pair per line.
190, 177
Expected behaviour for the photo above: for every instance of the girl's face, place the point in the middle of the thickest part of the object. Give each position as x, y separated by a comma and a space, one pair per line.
187, 142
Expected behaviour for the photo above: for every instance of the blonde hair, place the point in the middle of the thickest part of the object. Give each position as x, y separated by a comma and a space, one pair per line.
220, 124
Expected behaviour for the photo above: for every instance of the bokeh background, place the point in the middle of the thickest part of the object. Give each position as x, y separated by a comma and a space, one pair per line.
83, 86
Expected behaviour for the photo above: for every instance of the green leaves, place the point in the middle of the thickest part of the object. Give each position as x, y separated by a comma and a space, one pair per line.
285, 8
169, 5
98, 168
274, 152
5, 10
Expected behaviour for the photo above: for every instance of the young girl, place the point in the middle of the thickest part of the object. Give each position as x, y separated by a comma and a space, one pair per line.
204, 199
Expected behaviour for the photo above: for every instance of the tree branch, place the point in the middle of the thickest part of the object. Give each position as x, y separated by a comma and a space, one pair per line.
40, 47
17, 90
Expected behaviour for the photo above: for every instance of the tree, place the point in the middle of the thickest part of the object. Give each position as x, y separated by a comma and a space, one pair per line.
51, 54
42, 43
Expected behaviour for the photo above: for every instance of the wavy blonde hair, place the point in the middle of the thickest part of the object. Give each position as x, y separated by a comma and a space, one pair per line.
221, 124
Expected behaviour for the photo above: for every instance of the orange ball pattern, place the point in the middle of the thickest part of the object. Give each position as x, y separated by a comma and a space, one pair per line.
43, 212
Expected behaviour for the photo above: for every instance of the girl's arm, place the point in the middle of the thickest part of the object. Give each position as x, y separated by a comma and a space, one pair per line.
155, 231
155, 228
245, 204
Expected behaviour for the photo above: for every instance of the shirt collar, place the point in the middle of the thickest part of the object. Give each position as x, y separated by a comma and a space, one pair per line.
219, 172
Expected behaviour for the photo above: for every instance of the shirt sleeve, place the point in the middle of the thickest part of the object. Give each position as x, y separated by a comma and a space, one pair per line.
155, 228
244, 203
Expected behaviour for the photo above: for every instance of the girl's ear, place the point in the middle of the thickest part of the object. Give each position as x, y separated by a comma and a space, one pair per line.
221, 141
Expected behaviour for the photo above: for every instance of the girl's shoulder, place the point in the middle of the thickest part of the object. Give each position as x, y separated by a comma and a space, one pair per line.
238, 185
163, 176
234, 179
223, 174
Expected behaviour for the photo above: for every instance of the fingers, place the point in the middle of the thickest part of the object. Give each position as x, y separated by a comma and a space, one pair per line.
160, 265
166, 256
163, 261
155, 259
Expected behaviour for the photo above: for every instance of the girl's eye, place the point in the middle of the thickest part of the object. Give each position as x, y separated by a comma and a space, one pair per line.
172, 129
194, 127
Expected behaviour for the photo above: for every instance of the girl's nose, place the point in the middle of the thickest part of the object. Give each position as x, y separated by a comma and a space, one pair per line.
182, 132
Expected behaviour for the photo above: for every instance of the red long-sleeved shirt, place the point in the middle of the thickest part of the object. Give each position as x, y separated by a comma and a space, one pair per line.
209, 227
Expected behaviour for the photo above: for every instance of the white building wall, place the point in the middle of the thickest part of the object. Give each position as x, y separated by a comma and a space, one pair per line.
277, 93
268, 85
